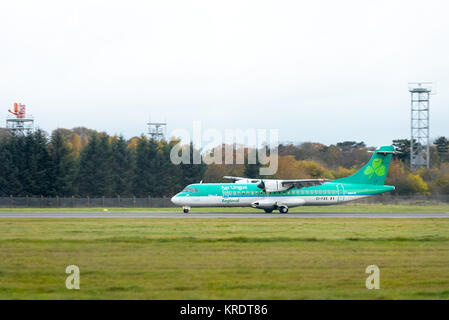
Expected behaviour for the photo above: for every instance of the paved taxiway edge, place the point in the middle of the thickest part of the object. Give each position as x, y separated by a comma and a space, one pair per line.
216, 215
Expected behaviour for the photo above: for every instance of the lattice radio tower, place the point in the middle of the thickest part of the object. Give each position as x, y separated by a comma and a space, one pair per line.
157, 130
420, 124
18, 121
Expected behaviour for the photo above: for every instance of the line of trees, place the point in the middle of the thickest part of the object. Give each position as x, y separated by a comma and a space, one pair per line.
85, 162
90, 164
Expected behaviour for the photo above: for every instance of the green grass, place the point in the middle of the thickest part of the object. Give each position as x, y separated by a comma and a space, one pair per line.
224, 258
340, 208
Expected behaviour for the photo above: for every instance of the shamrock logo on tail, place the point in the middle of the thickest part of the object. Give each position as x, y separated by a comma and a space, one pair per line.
376, 168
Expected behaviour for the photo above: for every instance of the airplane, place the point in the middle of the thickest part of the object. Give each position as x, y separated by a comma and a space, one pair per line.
270, 195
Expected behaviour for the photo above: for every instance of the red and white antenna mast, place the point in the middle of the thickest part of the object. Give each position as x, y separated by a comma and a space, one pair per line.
19, 122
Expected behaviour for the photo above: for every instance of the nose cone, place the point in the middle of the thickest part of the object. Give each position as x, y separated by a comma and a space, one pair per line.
175, 200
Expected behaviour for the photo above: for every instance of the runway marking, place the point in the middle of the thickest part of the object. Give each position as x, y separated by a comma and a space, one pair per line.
233, 215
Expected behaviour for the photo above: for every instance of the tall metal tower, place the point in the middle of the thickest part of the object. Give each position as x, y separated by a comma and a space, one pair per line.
420, 124
157, 130
18, 121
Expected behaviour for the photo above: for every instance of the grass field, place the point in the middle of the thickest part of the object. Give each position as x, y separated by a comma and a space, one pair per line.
224, 258
355, 207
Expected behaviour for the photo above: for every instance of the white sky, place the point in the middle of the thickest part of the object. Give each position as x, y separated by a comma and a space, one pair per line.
323, 71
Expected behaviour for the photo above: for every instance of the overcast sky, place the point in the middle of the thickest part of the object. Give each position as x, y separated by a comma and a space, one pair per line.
323, 71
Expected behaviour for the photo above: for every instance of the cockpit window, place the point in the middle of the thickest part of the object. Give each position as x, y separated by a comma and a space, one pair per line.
190, 190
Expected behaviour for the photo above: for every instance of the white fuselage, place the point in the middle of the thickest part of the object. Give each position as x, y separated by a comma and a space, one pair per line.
290, 201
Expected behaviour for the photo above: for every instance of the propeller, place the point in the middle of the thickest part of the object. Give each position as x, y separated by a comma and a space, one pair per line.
262, 186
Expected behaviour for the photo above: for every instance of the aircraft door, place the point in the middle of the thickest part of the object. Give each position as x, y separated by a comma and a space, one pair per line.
341, 193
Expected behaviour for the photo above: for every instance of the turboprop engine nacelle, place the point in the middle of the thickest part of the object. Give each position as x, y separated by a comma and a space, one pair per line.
264, 204
272, 186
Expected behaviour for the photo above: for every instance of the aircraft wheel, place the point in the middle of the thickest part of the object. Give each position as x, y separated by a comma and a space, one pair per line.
186, 210
268, 210
283, 210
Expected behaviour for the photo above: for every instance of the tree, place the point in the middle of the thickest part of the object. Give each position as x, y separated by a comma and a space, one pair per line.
171, 173
441, 185
402, 149
9, 182
64, 165
5, 135
84, 132
193, 173
406, 182
332, 155
122, 167
442, 145
95, 176
36, 172
290, 168
74, 141
142, 183
13, 161
348, 146
252, 170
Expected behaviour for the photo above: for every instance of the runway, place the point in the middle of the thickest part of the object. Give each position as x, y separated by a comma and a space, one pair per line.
217, 215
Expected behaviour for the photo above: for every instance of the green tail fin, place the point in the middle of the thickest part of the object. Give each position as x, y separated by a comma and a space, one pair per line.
375, 171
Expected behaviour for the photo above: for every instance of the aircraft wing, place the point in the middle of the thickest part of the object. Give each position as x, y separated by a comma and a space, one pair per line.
234, 179
276, 185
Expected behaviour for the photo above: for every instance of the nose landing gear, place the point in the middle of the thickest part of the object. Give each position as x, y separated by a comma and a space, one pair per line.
186, 209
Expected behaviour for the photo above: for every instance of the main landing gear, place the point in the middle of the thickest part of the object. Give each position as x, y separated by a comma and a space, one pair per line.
283, 210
